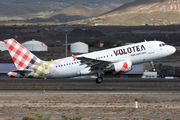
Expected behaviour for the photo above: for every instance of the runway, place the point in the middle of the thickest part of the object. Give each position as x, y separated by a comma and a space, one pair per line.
91, 91
88, 85
90, 80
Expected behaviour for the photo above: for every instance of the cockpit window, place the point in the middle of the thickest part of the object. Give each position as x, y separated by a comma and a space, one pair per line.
161, 45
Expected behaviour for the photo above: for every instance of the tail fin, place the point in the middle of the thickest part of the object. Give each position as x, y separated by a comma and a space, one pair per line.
23, 58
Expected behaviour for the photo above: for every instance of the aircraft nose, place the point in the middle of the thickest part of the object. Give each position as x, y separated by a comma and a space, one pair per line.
170, 50
173, 49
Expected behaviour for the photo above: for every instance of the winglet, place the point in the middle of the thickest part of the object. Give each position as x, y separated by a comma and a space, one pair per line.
74, 57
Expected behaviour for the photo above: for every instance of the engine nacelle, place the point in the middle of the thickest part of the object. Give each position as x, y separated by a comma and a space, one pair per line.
123, 66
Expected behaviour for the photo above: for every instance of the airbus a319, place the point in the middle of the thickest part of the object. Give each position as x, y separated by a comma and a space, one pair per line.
117, 60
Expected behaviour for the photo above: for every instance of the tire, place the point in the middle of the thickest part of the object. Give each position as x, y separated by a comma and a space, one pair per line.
99, 80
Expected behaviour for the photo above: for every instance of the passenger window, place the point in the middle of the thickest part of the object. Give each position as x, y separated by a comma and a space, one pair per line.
69, 63
61, 65
64, 65
74, 62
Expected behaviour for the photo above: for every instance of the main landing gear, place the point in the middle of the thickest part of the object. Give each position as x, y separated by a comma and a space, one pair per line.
152, 65
99, 78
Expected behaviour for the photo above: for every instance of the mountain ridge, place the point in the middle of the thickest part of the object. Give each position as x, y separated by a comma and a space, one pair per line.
24, 11
10, 9
141, 12
78, 10
150, 5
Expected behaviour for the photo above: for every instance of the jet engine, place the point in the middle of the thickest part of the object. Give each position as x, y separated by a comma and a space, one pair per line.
122, 66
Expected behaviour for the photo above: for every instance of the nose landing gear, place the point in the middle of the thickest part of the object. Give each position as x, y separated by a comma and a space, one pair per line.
152, 65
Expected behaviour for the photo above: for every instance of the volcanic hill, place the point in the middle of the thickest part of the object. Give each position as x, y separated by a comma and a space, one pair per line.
78, 10
141, 12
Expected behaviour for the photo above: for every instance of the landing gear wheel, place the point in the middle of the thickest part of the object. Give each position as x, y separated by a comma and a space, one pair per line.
152, 65
154, 70
99, 80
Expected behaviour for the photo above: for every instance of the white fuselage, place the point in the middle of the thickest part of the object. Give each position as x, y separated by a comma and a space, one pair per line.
137, 53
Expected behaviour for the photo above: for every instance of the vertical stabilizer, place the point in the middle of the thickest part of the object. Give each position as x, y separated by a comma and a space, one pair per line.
23, 58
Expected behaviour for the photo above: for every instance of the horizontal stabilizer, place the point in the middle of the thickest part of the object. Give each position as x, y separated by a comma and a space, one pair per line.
22, 71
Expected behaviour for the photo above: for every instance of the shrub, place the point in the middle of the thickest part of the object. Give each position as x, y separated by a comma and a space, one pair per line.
29, 117
170, 118
65, 117
119, 43
35, 117
76, 117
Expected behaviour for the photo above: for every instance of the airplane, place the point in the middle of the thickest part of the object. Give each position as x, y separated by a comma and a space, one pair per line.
118, 60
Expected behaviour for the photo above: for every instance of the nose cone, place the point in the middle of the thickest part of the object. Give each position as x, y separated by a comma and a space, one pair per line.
170, 50
173, 50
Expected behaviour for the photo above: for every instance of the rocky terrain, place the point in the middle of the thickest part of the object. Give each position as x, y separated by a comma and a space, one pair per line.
91, 106
134, 13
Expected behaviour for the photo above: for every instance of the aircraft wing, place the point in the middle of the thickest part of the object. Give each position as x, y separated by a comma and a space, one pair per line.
94, 63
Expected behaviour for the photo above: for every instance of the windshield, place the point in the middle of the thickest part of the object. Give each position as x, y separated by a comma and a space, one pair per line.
162, 44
